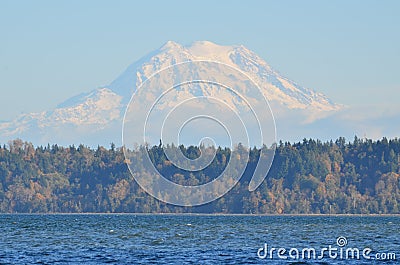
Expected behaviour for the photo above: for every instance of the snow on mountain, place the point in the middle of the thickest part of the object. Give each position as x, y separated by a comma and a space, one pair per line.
276, 87
97, 107
91, 112
101, 110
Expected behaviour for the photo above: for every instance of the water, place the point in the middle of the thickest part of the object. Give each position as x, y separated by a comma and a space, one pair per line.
187, 239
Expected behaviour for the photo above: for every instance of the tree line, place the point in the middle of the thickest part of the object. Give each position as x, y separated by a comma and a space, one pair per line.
309, 177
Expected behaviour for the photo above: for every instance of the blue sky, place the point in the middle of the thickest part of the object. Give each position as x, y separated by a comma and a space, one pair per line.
52, 50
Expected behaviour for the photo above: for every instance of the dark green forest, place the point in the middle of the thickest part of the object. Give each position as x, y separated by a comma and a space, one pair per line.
361, 176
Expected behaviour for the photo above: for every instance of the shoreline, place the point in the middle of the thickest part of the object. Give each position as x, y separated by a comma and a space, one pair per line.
216, 214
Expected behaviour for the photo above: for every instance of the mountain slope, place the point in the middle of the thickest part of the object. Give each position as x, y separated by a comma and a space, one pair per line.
97, 116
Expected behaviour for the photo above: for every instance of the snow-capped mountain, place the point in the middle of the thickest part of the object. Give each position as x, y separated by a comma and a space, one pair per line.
96, 117
276, 87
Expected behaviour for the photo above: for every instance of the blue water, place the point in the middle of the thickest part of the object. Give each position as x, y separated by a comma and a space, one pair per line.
187, 239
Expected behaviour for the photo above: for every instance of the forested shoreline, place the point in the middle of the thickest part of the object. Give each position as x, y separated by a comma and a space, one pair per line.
361, 176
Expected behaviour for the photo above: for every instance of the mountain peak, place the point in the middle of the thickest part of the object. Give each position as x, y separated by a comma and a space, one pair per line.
206, 43
211, 51
171, 45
